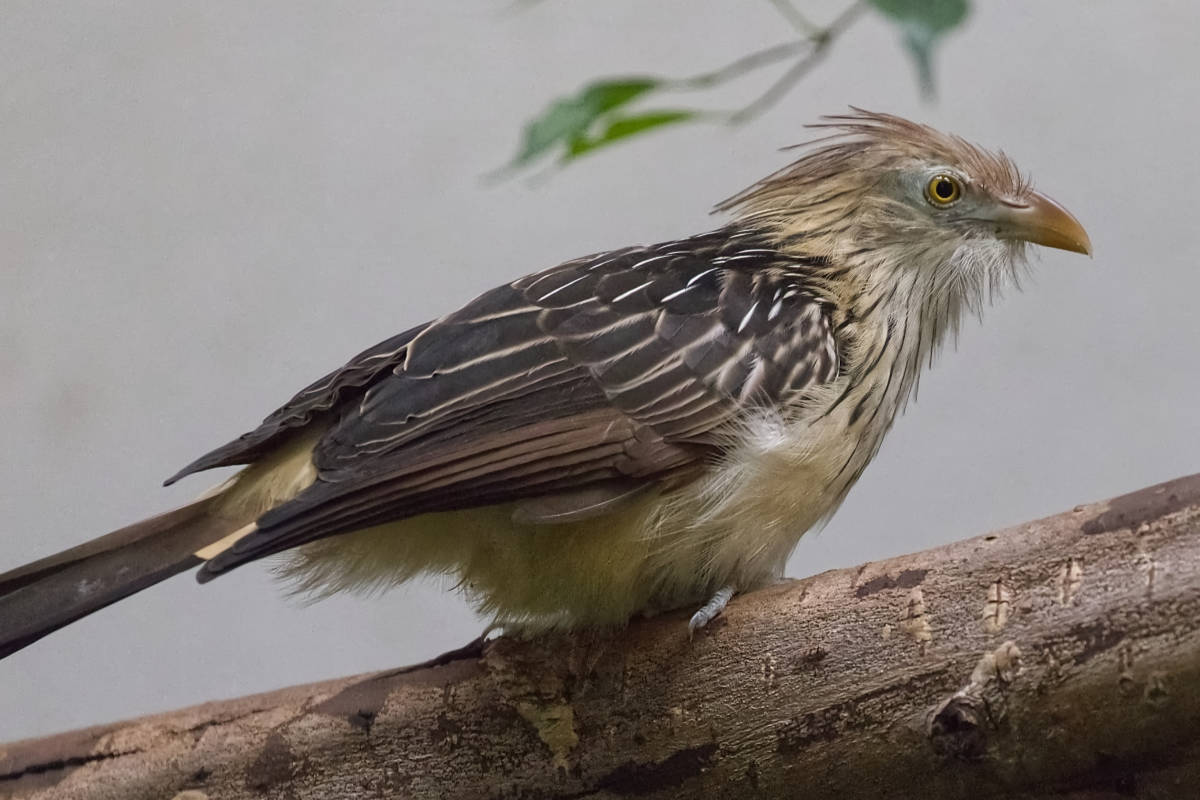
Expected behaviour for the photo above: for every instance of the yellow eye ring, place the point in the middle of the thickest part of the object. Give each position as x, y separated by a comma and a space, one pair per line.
943, 189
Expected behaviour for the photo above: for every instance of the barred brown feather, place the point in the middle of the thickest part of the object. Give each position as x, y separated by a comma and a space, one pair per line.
623, 365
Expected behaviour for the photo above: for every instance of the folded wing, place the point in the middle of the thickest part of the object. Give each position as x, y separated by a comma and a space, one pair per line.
596, 379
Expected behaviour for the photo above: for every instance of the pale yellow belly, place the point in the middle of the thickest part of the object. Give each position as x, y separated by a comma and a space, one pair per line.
733, 526
660, 553
593, 572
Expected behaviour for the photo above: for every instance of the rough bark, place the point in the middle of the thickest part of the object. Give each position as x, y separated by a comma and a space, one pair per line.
1059, 658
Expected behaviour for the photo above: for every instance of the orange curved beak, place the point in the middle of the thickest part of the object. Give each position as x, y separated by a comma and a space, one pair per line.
1039, 220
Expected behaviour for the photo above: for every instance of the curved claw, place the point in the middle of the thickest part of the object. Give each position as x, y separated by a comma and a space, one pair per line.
710, 610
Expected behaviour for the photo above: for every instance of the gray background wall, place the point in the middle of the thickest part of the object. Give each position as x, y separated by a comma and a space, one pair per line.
205, 206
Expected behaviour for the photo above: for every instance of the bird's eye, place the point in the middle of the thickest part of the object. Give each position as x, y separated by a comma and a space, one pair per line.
943, 190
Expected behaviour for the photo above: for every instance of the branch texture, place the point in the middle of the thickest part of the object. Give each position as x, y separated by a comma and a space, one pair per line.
1059, 658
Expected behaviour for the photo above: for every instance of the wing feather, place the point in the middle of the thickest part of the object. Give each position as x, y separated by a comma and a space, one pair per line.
616, 370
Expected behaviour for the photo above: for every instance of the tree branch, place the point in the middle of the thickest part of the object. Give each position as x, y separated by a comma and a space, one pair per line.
1060, 658
783, 85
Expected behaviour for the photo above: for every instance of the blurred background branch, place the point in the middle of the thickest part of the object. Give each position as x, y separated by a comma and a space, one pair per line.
604, 111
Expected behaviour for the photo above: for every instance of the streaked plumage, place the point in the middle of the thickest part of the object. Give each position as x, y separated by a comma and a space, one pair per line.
629, 431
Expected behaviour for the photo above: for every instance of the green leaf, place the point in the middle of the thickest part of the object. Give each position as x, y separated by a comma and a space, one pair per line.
623, 127
923, 23
569, 119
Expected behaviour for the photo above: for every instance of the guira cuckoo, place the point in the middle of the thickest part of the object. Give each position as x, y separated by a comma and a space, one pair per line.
647, 428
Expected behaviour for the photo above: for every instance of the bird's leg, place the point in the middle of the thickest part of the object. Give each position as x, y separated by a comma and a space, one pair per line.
710, 610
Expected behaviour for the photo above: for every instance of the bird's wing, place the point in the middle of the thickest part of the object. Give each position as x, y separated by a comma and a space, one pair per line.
599, 376
313, 400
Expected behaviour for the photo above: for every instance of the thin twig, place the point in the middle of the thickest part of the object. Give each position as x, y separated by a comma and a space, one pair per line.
745, 64
798, 70
798, 20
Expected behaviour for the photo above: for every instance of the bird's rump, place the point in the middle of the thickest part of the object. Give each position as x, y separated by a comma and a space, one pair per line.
590, 380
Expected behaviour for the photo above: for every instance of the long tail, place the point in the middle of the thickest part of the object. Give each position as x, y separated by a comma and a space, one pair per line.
42, 597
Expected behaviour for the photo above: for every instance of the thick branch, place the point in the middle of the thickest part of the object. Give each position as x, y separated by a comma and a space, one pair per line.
1057, 658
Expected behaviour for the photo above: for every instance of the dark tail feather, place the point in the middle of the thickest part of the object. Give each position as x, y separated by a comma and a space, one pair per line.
43, 596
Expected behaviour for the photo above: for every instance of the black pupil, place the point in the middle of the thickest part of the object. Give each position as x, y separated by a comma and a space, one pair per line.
944, 188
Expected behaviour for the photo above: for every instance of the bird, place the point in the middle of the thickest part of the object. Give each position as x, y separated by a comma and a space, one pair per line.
639, 430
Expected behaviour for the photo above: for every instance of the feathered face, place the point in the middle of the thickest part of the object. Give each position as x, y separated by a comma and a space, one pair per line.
898, 201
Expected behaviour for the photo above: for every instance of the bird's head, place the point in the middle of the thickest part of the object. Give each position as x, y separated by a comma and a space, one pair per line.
891, 203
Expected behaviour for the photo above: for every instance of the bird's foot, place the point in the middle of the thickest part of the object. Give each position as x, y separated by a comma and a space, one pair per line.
710, 610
